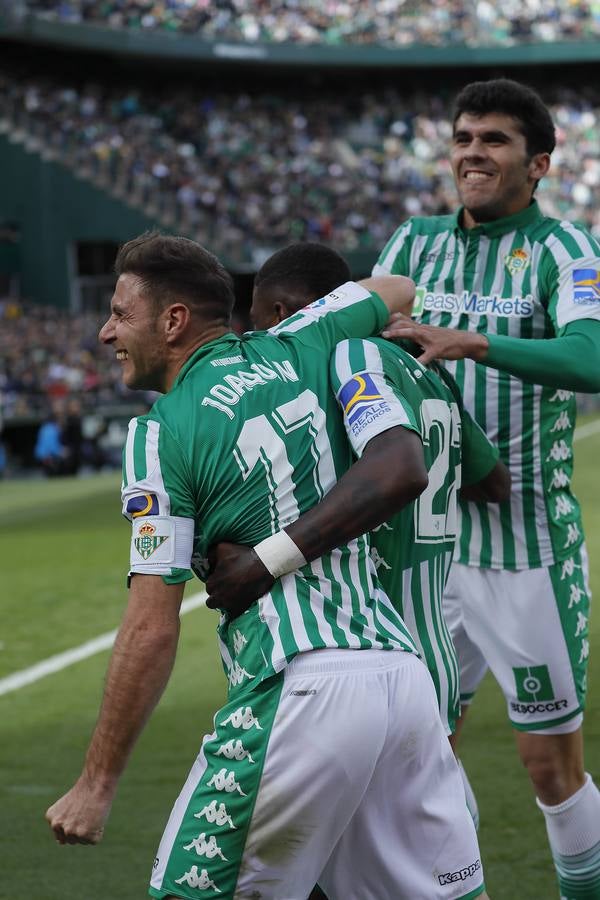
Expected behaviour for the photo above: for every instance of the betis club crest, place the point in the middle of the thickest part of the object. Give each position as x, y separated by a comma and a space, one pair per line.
516, 261
148, 541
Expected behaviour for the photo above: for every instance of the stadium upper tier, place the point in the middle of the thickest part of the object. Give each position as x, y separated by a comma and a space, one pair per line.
395, 23
245, 173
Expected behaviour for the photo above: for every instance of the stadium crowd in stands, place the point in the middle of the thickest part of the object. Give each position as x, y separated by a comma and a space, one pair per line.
245, 173
49, 356
385, 22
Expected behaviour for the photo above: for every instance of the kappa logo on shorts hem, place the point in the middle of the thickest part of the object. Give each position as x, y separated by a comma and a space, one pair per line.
460, 874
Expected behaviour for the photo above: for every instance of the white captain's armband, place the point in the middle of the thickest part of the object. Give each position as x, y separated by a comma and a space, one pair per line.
160, 544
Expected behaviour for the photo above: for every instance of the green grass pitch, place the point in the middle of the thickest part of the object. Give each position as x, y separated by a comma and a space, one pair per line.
64, 555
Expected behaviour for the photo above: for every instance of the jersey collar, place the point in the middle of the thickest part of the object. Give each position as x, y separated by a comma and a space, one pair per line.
206, 350
498, 227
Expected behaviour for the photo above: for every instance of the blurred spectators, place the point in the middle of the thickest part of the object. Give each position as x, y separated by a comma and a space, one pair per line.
384, 22
246, 173
51, 362
53, 368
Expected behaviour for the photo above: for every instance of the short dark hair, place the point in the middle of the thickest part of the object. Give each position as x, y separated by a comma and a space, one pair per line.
172, 268
307, 268
522, 103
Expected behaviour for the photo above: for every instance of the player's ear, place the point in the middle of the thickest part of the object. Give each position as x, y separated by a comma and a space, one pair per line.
176, 320
281, 312
539, 165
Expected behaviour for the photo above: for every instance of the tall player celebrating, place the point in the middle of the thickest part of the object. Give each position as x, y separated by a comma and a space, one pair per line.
520, 292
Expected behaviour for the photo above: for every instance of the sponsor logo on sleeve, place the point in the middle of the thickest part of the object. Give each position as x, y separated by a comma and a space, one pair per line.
143, 505
363, 403
586, 286
358, 393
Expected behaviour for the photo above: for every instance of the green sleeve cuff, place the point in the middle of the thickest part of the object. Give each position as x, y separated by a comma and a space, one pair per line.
178, 575
570, 362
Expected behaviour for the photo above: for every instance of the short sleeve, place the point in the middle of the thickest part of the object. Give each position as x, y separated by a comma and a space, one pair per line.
349, 311
369, 395
571, 276
157, 500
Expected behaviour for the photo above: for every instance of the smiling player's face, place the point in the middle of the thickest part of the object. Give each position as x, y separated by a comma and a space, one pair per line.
134, 331
494, 175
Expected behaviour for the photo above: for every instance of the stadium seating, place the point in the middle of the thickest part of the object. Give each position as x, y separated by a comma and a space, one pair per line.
384, 22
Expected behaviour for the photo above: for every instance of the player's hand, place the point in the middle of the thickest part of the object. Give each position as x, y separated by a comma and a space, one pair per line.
79, 817
436, 342
237, 578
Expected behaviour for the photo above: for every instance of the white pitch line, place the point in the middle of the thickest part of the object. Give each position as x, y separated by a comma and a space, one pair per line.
90, 648
105, 641
586, 430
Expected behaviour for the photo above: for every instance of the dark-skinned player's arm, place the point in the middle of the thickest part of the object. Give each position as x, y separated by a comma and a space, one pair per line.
390, 473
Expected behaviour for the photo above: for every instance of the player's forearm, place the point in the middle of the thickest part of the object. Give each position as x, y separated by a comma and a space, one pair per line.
390, 474
139, 669
396, 291
571, 362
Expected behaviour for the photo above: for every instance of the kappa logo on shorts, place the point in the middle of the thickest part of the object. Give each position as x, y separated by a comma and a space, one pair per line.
225, 781
302, 693
195, 880
460, 874
216, 814
206, 846
234, 750
533, 684
243, 718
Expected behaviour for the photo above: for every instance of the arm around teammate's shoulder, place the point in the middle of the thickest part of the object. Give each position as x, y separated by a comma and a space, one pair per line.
396, 291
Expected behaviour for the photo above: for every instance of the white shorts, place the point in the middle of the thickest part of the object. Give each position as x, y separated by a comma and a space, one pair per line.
531, 628
337, 771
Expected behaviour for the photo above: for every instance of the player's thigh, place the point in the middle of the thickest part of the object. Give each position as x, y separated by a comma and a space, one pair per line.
471, 662
412, 837
277, 782
532, 628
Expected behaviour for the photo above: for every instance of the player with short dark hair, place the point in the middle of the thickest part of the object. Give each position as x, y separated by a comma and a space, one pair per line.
520, 292
293, 277
245, 439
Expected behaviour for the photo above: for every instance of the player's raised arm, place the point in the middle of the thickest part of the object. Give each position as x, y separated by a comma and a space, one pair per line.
396, 291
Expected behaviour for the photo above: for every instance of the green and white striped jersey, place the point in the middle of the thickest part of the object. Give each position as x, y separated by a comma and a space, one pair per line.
379, 386
526, 276
248, 439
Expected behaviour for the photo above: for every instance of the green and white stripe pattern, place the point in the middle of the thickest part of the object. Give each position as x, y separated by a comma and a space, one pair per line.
380, 386
247, 440
516, 276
